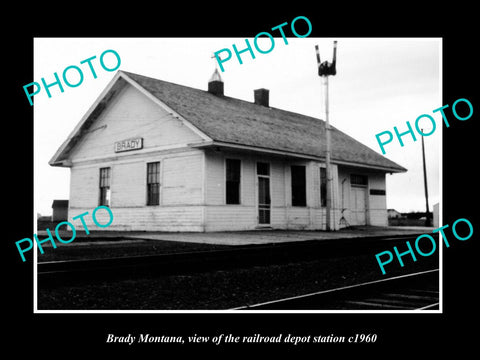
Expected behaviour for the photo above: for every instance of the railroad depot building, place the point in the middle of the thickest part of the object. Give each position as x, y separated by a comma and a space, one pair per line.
167, 157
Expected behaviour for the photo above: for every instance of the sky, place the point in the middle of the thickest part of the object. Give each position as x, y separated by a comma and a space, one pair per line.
380, 83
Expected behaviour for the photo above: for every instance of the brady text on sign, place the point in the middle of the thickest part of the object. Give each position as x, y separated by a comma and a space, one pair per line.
129, 144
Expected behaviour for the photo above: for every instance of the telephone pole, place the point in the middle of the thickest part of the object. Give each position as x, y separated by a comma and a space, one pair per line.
428, 220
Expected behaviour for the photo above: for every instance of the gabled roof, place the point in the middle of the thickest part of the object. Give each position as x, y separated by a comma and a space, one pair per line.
60, 203
229, 121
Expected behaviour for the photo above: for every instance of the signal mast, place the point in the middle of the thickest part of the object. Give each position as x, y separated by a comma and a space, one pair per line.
325, 70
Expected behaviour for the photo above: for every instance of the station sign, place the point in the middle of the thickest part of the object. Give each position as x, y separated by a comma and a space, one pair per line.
128, 145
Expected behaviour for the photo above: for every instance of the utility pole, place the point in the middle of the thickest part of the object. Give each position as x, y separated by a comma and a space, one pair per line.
428, 220
326, 69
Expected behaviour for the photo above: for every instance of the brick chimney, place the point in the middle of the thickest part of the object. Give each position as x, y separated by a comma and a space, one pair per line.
261, 96
215, 84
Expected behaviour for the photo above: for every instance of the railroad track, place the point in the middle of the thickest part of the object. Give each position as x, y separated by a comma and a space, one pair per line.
417, 291
58, 273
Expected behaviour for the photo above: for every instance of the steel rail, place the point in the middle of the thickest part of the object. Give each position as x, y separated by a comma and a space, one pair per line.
370, 284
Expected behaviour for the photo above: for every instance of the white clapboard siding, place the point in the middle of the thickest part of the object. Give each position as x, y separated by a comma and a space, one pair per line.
128, 184
277, 186
166, 218
178, 194
215, 177
131, 115
230, 218
182, 180
84, 187
248, 184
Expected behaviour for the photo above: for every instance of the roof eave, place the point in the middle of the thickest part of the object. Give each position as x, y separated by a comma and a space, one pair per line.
61, 154
214, 143
60, 163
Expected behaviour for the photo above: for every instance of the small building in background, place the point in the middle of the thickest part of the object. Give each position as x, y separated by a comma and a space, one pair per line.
59, 210
393, 214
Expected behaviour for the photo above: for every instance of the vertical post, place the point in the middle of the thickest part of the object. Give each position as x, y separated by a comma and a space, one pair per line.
327, 157
324, 70
427, 221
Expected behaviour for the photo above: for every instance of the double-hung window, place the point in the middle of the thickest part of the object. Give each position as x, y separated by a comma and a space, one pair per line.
104, 184
153, 183
299, 189
323, 187
232, 184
